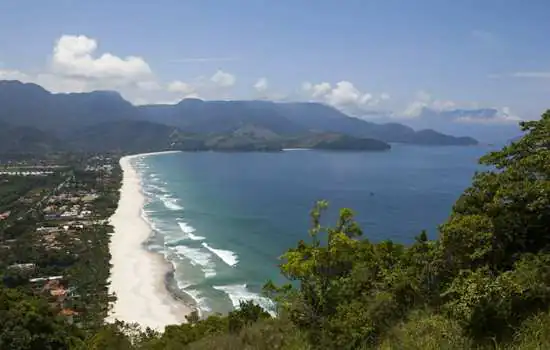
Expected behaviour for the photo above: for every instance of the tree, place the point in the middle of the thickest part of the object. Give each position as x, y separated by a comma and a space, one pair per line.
246, 314
487, 272
494, 247
29, 323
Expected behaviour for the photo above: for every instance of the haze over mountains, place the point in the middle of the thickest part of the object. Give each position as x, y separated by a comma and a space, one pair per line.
34, 119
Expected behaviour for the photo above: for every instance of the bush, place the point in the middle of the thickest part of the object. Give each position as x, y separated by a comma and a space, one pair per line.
425, 331
266, 334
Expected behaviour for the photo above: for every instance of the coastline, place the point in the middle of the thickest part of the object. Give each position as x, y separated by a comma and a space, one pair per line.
138, 276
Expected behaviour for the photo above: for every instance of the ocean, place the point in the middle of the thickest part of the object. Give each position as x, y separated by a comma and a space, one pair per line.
223, 219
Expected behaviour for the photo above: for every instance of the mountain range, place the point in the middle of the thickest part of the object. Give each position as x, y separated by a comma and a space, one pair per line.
485, 124
34, 119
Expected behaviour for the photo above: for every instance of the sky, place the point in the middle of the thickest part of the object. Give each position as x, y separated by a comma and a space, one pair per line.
369, 58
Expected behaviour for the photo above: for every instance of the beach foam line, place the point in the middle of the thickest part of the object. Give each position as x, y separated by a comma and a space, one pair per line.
170, 202
143, 155
188, 230
145, 217
196, 296
137, 275
157, 188
240, 292
197, 257
227, 256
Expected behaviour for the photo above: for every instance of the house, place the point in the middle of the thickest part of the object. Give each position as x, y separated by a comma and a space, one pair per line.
22, 267
44, 279
70, 314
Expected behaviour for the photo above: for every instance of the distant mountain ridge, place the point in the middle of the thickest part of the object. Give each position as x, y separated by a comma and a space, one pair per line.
81, 119
288, 118
481, 123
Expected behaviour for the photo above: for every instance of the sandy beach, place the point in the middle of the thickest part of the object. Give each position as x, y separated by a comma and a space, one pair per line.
137, 275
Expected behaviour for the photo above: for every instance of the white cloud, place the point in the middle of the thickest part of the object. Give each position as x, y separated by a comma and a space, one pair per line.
74, 57
149, 85
140, 101
316, 90
425, 100
180, 87
223, 79
77, 65
261, 85
13, 75
56, 83
344, 95
501, 116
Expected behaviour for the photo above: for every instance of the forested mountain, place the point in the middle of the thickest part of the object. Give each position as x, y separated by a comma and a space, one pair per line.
292, 118
25, 139
31, 105
247, 125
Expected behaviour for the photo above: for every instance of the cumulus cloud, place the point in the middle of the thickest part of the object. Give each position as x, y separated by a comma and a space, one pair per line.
75, 66
73, 56
13, 75
317, 90
261, 85
180, 87
149, 85
223, 79
425, 100
344, 95
78, 65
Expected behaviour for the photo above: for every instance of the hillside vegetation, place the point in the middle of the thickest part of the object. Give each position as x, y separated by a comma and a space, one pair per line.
483, 284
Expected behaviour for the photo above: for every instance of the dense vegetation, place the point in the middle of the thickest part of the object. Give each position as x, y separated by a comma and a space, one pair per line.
142, 136
30, 316
483, 284
33, 120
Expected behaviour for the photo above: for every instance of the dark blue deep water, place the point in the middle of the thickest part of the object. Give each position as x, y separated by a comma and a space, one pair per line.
222, 219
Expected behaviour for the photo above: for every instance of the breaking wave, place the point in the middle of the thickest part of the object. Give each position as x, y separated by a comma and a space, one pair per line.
227, 256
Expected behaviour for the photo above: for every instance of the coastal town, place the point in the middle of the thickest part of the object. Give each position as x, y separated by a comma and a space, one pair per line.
54, 231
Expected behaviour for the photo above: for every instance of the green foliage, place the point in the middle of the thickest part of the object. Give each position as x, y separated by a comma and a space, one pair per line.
486, 274
426, 331
534, 333
267, 334
29, 323
246, 314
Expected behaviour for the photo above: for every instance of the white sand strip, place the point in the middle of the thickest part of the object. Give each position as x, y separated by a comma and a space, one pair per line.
137, 275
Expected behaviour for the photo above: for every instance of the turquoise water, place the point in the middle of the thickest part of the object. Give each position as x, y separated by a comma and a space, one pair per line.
222, 219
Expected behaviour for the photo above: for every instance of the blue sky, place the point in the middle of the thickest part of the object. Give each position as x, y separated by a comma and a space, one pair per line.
391, 56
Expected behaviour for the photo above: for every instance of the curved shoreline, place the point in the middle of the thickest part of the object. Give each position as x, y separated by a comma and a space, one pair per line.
138, 276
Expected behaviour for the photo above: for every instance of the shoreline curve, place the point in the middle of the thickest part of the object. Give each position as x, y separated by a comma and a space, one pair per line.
138, 276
